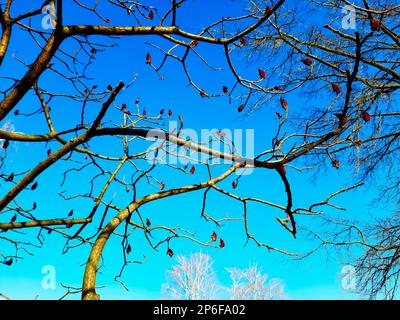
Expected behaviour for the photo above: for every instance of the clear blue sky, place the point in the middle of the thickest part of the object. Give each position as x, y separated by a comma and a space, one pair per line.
314, 278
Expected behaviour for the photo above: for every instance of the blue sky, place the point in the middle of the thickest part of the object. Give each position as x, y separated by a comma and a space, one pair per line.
317, 277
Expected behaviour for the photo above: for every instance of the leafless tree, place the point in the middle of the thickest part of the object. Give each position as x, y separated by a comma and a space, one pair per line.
353, 74
252, 284
329, 37
192, 278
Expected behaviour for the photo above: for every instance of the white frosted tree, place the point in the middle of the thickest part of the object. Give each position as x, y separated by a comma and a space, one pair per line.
193, 278
252, 284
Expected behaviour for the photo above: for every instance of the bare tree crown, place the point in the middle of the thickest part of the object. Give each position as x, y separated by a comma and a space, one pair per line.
347, 68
